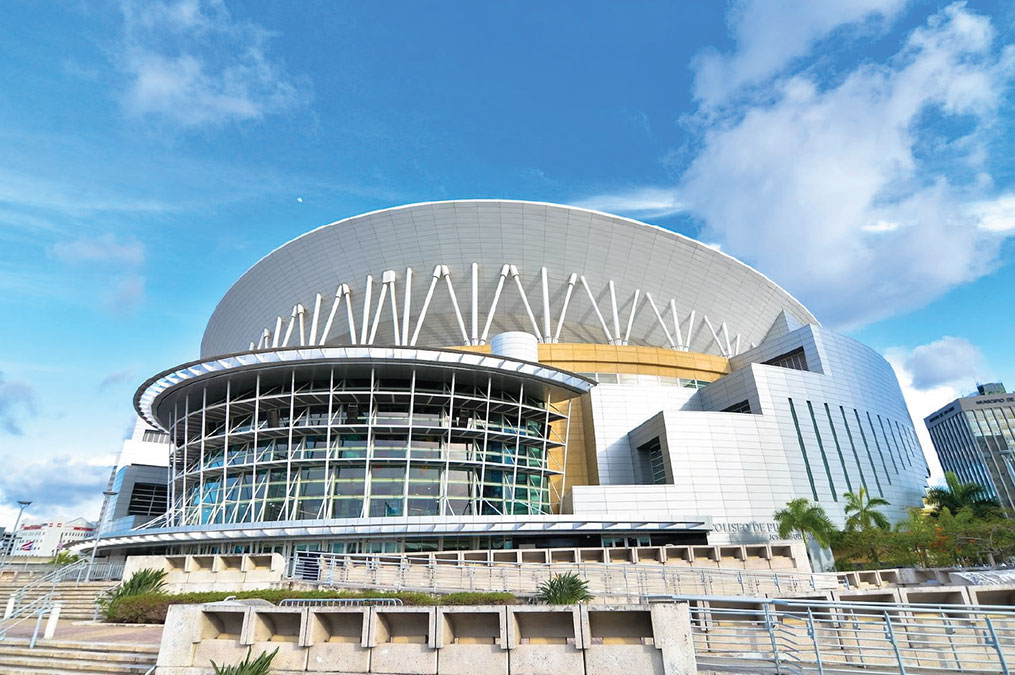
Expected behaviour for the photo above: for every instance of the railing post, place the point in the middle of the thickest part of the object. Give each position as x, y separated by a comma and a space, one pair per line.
997, 645
814, 638
771, 636
38, 625
890, 634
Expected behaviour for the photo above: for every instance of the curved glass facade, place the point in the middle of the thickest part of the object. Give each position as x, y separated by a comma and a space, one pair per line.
313, 442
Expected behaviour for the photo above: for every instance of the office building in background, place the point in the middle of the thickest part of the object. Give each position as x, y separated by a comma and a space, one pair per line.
974, 437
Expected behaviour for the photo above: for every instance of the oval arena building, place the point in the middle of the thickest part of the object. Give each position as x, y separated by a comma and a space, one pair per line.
491, 374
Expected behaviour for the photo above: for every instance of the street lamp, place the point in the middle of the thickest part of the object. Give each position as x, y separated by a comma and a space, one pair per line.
10, 549
106, 494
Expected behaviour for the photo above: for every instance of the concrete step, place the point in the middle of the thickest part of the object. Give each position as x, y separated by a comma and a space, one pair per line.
70, 665
55, 656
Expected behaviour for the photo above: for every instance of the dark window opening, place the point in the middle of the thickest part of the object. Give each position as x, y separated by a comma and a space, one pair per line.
148, 499
795, 360
742, 407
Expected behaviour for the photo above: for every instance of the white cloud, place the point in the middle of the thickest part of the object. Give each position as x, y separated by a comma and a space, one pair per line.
951, 361
880, 226
17, 402
997, 215
192, 64
646, 202
103, 248
60, 487
796, 185
932, 376
770, 34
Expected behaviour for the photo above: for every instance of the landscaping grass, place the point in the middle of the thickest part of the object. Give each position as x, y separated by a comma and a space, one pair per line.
152, 607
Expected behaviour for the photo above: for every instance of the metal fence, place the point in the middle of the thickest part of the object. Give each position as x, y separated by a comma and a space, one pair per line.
340, 602
399, 572
798, 636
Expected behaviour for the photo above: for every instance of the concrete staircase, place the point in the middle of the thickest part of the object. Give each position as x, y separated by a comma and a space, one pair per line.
56, 657
78, 598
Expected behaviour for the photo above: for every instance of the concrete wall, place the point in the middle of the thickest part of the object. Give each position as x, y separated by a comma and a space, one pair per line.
505, 640
193, 573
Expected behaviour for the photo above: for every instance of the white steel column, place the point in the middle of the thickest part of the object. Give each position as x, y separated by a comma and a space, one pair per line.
405, 306
546, 306
525, 301
613, 305
313, 322
278, 331
474, 336
659, 318
289, 328
394, 311
349, 314
339, 292
504, 271
563, 310
454, 303
426, 303
366, 308
630, 317
380, 306
595, 307
301, 310
690, 330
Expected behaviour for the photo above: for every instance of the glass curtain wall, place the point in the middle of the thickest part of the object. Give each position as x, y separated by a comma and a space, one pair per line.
322, 443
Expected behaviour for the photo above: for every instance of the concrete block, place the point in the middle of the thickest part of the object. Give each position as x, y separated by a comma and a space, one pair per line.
337, 639
404, 640
472, 640
281, 627
545, 640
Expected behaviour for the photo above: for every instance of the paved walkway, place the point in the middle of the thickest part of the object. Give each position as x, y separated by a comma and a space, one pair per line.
77, 631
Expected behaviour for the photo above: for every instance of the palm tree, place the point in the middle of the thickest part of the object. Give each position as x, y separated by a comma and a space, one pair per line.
958, 495
800, 515
862, 512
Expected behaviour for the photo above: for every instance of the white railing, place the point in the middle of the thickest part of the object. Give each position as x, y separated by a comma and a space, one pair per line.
399, 572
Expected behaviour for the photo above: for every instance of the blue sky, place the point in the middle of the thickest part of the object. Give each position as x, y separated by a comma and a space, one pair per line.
860, 153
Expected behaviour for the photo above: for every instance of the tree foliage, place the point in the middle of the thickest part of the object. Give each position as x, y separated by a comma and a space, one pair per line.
805, 518
862, 512
956, 495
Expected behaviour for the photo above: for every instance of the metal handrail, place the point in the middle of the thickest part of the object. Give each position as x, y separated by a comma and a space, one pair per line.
81, 570
340, 602
793, 635
631, 579
37, 607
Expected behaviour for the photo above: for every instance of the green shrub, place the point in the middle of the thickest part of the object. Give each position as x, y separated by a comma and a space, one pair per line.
143, 582
564, 589
259, 666
152, 607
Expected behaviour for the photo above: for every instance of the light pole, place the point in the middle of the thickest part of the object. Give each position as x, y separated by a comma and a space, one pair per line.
106, 494
10, 548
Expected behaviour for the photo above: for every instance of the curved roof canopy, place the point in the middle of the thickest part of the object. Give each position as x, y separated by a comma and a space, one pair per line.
477, 269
